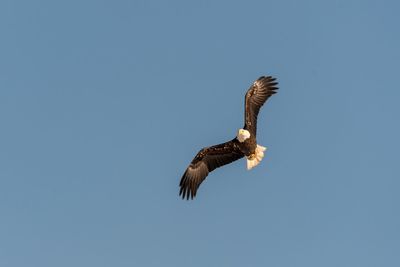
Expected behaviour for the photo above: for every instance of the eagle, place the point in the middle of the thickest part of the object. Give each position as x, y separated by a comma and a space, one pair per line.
243, 145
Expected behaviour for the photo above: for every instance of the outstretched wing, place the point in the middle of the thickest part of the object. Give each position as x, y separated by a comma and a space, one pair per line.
256, 96
207, 160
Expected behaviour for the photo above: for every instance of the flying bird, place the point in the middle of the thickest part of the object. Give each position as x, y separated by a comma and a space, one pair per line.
243, 145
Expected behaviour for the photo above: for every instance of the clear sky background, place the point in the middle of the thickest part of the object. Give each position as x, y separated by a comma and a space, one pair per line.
103, 104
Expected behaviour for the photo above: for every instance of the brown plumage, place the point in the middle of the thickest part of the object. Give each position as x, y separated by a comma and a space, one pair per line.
210, 158
255, 97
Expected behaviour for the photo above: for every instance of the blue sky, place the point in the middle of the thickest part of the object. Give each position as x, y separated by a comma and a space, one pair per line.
103, 104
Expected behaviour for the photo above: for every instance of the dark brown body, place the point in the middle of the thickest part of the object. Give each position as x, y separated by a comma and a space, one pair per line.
248, 147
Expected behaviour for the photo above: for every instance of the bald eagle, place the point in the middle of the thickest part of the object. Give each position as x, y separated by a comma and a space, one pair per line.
244, 144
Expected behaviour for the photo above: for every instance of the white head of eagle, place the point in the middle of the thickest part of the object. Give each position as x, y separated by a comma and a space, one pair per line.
243, 135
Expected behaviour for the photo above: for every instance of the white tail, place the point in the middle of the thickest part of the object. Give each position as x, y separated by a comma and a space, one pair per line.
256, 158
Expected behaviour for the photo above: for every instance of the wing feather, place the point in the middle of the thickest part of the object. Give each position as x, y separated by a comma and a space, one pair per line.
255, 97
207, 160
